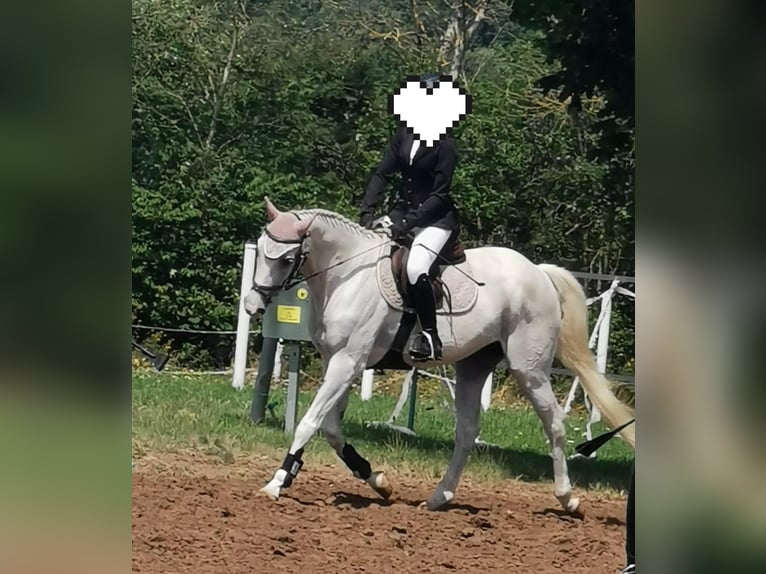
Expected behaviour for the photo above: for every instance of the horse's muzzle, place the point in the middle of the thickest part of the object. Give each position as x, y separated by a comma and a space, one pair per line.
254, 304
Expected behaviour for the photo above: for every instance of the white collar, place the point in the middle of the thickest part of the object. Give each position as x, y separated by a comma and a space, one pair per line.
414, 149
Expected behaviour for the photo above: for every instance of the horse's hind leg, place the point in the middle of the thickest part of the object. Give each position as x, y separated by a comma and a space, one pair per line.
357, 464
470, 376
537, 387
532, 376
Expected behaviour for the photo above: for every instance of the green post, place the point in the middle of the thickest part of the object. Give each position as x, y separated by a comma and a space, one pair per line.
293, 371
263, 379
413, 397
288, 317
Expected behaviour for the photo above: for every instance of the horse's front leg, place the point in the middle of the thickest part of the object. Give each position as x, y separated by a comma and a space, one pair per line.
341, 368
356, 463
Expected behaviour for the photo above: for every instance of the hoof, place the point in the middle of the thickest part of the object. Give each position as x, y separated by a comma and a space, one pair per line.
439, 500
575, 508
273, 489
571, 505
380, 484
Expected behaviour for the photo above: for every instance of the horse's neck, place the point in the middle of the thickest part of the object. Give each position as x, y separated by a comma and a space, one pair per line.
330, 246
336, 252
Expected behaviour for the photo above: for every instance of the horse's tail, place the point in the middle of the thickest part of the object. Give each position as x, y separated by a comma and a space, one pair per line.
573, 351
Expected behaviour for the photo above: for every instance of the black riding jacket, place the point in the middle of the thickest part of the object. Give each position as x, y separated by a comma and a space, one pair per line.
424, 198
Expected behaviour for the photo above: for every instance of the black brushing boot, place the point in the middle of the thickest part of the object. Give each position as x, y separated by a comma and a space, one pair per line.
426, 346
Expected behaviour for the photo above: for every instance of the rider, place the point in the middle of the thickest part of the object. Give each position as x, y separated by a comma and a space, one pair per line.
423, 213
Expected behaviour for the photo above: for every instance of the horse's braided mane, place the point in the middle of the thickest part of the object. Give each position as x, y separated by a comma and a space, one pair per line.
336, 220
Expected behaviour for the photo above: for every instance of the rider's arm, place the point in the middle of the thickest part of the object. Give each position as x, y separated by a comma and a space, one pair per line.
437, 203
383, 173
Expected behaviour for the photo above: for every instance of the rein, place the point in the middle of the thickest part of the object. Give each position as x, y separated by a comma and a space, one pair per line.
291, 280
341, 262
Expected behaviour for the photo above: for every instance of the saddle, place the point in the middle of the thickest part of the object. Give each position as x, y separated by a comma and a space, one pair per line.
451, 285
453, 253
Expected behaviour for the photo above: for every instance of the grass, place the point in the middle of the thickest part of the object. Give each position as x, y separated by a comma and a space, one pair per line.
179, 412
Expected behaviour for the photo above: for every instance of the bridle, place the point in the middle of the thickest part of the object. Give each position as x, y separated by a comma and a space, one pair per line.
290, 281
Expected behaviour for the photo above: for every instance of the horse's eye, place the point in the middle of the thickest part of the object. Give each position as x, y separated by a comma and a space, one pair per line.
288, 260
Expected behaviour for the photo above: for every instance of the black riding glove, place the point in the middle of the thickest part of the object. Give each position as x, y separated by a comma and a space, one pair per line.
401, 228
365, 219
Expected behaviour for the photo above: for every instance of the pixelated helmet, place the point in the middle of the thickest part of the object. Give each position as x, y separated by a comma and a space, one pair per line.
429, 81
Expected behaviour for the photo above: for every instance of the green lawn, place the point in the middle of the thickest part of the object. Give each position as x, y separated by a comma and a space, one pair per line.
178, 412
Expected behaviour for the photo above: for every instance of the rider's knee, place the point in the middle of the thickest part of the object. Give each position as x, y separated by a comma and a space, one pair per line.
417, 266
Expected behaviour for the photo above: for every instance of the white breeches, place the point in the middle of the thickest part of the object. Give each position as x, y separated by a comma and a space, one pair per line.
421, 259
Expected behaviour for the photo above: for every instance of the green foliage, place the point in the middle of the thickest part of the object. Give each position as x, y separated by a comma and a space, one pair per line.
592, 44
234, 101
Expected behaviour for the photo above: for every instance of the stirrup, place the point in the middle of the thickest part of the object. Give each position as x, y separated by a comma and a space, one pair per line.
418, 350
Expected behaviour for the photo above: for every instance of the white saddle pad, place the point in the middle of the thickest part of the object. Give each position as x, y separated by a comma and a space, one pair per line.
462, 292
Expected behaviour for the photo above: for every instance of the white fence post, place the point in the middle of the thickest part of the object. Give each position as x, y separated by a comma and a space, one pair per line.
602, 348
368, 377
243, 319
276, 373
486, 393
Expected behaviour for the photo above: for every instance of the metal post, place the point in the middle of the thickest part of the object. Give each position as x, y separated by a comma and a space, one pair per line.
263, 380
293, 369
413, 397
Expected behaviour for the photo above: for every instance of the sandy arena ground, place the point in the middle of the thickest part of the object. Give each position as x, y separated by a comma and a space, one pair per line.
193, 516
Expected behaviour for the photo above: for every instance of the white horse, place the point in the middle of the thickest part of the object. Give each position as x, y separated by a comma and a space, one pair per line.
524, 315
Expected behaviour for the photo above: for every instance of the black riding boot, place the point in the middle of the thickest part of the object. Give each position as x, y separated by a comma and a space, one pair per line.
630, 521
426, 345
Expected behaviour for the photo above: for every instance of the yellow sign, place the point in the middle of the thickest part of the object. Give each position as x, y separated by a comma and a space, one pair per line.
287, 314
302, 294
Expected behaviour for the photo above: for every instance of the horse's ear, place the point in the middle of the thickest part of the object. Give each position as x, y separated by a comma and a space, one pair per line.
301, 226
271, 212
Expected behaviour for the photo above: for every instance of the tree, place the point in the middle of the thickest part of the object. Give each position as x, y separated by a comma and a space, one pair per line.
594, 43
233, 101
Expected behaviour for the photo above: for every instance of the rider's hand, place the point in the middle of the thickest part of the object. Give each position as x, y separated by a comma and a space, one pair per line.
400, 228
365, 219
